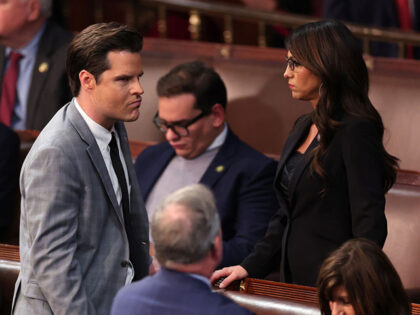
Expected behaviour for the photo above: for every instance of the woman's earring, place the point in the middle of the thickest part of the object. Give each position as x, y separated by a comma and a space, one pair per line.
319, 89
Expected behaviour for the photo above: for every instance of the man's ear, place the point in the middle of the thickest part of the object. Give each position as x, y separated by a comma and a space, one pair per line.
218, 113
87, 80
217, 248
33, 8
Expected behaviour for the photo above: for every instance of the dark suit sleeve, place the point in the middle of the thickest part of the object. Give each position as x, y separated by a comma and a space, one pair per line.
9, 172
256, 204
363, 160
267, 253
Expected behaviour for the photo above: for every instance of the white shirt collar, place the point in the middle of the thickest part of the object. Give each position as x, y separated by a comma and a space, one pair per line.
102, 135
220, 139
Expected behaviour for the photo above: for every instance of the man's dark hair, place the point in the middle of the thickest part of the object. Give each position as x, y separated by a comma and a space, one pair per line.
195, 78
88, 50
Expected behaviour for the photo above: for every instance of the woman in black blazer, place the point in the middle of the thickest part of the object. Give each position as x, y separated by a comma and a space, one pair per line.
334, 171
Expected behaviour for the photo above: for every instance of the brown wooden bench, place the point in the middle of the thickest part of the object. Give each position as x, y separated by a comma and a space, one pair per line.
402, 210
264, 305
260, 296
9, 270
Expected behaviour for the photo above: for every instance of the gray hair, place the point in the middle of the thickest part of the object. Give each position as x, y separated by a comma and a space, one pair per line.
185, 234
45, 7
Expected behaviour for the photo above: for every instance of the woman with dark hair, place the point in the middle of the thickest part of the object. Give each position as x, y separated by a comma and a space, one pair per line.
358, 278
334, 170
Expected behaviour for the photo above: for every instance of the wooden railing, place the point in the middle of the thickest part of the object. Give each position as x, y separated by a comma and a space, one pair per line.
230, 12
275, 289
285, 291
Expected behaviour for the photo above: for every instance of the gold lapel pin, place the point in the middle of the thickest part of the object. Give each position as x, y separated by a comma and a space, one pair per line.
43, 67
220, 168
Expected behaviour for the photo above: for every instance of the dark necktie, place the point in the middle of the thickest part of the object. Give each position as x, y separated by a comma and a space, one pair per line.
8, 89
119, 171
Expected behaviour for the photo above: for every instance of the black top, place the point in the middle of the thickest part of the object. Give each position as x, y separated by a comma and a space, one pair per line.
286, 175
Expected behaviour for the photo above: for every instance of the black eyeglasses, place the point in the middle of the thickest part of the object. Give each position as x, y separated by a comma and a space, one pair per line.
292, 63
179, 128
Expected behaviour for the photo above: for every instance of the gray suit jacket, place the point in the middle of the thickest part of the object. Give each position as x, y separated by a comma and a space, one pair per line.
73, 244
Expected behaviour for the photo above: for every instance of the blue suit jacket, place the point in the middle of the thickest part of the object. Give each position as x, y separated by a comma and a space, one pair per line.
243, 188
169, 293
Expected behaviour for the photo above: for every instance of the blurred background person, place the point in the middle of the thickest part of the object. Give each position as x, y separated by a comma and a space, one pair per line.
334, 170
374, 13
358, 278
33, 52
276, 34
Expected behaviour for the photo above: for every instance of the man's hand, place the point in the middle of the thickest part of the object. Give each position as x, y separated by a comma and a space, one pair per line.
231, 273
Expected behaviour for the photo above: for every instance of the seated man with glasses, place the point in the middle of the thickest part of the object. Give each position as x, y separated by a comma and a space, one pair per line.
200, 148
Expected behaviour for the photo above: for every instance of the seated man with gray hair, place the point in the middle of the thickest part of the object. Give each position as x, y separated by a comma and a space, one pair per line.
188, 244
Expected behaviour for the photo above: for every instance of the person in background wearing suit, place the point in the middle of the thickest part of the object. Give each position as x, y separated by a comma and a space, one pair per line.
35, 49
200, 147
9, 173
373, 13
84, 228
188, 244
334, 170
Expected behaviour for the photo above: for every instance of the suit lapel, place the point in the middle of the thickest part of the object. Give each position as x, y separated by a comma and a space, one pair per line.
135, 200
300, 167
221, 162
95, 155
159, 165
291, 143
39, 74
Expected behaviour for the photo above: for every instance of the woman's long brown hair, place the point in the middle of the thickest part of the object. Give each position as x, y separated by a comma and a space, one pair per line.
330, 51
371, 281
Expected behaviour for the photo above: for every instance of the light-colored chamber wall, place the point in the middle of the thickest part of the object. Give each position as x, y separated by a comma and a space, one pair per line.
262, 112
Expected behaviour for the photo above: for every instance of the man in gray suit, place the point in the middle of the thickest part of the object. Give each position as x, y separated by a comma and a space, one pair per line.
84, 228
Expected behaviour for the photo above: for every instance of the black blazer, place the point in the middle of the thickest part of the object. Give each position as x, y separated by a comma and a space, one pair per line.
301, 235
49, 89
